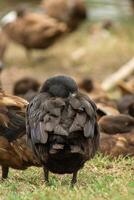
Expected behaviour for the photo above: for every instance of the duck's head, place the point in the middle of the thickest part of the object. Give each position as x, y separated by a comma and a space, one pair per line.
25, 85
21, 10
87, 84
59, 86
125, 103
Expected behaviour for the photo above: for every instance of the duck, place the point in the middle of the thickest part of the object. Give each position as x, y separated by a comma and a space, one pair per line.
32, 30
14, 151
92, 87
62, 128
117, 135
71, 12
105, 105
26, 87
126, 104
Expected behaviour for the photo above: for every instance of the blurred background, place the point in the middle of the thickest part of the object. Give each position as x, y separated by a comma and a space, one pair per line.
100, 45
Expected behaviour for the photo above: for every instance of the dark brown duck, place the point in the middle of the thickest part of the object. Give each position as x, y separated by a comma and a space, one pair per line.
126, 104
61, 127
26, 88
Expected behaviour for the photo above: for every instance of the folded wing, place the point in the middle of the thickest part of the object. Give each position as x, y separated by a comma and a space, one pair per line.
12, 116
60, 116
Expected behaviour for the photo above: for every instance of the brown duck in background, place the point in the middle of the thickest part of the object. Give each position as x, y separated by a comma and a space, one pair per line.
26, 88
61, 127
71, 12
126, 105
32, 30
92, 88
105, 106
117, 135
14, 151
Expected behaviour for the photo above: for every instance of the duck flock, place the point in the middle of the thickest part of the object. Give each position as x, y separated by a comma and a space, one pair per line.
62, 123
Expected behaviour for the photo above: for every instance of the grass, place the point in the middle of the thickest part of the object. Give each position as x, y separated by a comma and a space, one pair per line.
100, 179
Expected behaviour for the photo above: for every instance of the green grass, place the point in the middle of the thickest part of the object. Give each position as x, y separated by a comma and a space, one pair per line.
100, 179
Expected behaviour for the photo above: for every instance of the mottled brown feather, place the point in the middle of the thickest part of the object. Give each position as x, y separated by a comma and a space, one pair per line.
72, 12
35, 31
117, 135
14, 151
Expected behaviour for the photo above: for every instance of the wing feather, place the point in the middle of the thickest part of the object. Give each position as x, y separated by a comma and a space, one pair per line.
43, 136
89, 129
12, 116
85, 116
61, 117
59, 130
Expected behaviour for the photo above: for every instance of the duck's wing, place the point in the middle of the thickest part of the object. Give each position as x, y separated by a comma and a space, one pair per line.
12, 116
64, 117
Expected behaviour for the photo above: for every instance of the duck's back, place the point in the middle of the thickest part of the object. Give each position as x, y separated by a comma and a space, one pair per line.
35, 30
62, 131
